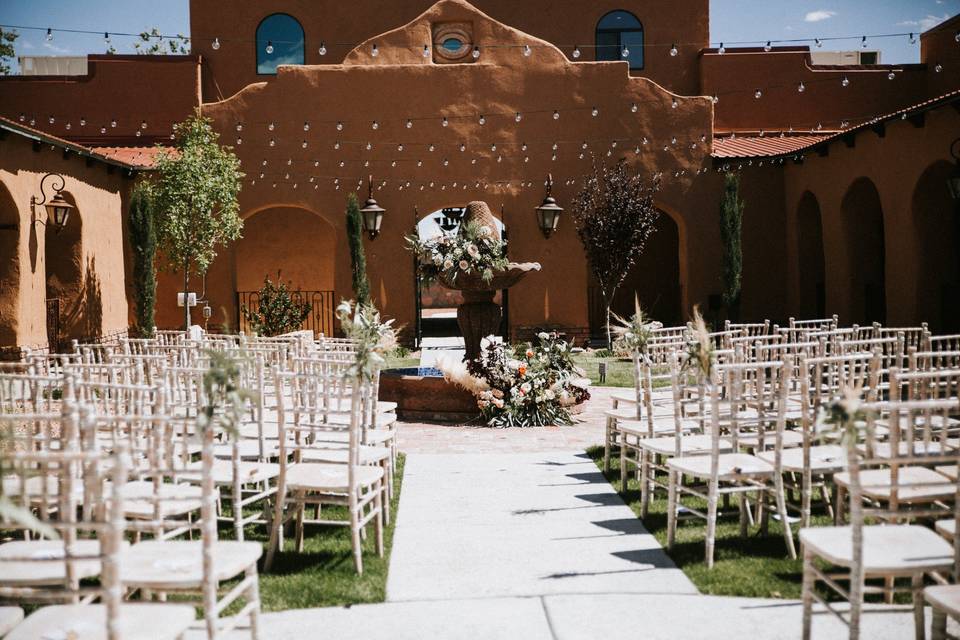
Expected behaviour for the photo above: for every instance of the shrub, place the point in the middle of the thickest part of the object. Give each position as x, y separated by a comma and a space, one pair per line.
277, 312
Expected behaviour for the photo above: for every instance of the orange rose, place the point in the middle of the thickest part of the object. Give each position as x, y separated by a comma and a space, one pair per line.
522, 370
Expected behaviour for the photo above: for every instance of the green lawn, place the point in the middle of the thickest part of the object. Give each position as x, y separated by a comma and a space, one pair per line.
755, 567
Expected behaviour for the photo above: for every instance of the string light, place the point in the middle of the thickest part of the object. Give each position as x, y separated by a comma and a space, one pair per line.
518, 117
633, 107
845, 82
758, 94
239, 127
215, 44
323, 48
722, 50
625, 53
938, 68
374, 51
49, 34
409, 124
891, 75
476, 52
674, 104
576, 52
271, 126
863, 42
426, 51
817, 42
106, 38
674, 51
445, 122
913, 39
556, 114
767, 47
482, 120
595, 112
269, 47
375, 125
801, 87
339, 126
527, 51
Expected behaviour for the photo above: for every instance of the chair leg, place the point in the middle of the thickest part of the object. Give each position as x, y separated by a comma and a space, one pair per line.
624, 474
606, 448
784, 522
916, 586
888, 585
644, 483
807, 593
744, 511
378, 520
355, 541
938, 629
301, 513
806, 496
711, 522
671, 508
276, 529
253, 595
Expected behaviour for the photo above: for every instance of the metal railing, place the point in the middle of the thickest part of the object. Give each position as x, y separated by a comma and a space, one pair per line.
319, 320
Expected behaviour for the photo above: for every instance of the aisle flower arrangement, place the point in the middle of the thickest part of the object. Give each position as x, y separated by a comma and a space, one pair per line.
632, 335
523, 386
474, 251
375, 338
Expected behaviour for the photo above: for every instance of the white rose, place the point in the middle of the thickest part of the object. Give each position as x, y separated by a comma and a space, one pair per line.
543, 335
464, 265
448, 264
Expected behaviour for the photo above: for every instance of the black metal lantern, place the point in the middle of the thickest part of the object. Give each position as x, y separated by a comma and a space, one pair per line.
548, 213
371, 213
953, 180
58, 209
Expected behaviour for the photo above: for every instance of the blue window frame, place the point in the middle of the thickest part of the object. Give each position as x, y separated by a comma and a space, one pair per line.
279, 41
616, 30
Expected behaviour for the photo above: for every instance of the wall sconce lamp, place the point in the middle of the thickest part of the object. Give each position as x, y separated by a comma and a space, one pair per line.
548, 213
371, 213
58, 209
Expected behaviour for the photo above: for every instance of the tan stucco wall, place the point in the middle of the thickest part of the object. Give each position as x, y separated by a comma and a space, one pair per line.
101, 307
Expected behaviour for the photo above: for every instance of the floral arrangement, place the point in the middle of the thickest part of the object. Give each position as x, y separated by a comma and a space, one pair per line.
475, 250
699, 357
374, 338
842, 415
632, 336
524, 386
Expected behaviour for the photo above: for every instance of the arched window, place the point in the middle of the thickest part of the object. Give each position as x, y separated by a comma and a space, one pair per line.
616, 30
279, 41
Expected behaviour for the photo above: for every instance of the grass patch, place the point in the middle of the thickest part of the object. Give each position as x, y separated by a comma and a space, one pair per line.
757, 566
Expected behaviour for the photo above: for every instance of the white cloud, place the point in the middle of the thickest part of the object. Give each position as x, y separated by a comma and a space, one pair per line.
817, 16
925, 23
54, 48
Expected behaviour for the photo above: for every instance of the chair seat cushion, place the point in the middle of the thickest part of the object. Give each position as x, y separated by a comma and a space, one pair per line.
177, 564
752, 440
947, 528
730, 466
915, 484
689, 445
900, 549
945, 597
368, 455
826, 458
329, 478
136, 621
249, 472
141, 499
30, 571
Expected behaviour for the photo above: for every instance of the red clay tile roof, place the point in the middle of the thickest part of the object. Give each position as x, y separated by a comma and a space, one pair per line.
755, 146
126, 161
139, 157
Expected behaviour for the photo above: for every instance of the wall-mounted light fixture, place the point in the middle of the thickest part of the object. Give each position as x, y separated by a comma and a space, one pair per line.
371, 213
548, 213
58, 209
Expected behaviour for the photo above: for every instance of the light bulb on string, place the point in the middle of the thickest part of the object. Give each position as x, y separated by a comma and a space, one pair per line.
523, 147
556, 114
215, 44
336, 145
482, 120
716, 98
527, 51
49, 34
938, 68
818, 43
339, 126
463, 147
625, 52
69, 126
576, 52
419, 163
289, 161
239, 127
674, 51
409, 124
271, 127
369, 146
555, 146
374, 51
801, 87
674, 104
106, 38
323, 48
269, 47
476, 52
493, 147
102, 129
303, 145
633, 107
845, 82
426, 51
375, 125
767, 47
956, 36
431, 148
913, 38
584, 145
722, 50
891, 75
51, 120
758, 94
863, 42
518, 117
445, 122
644, 141
400, 147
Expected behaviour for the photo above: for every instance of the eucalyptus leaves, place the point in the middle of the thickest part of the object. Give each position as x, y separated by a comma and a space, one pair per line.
374, 338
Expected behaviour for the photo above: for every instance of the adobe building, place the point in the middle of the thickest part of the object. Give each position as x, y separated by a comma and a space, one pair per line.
844, 168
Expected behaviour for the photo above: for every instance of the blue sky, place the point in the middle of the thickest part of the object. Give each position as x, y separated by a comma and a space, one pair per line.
730, 21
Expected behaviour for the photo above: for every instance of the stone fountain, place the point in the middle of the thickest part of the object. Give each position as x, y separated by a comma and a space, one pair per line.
479, 316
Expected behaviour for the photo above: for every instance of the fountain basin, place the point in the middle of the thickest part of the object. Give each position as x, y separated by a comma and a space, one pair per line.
422, 395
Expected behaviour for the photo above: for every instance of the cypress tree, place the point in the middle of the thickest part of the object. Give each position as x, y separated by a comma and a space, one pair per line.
143, 242
358, 260
731, 221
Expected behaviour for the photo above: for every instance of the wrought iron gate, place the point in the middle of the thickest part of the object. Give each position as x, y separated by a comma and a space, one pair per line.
319, 320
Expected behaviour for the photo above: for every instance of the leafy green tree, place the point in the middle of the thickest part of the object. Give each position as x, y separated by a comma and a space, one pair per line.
731, 221
277, 312
143, 241
7, 38
196, 199
615, 214
152, 43
358, 259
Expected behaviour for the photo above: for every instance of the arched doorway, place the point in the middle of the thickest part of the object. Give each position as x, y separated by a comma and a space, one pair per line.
292, 245
811, 271
654, 280
436, 305
866, 252
937, 224
9, 269
74, 311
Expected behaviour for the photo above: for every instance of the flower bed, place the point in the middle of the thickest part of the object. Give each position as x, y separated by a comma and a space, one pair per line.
522, 386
